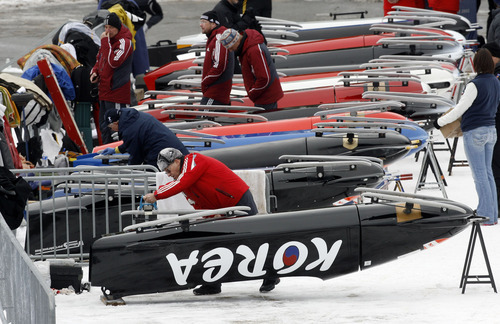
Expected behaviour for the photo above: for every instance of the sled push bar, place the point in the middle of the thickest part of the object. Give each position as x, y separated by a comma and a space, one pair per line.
422, 12
432, 100
291, 158
439, 44
212, 114
376, 120
280, 33
381, 132
398, 67
423, 21
429, 64
213, 107
363, 125
428, 29
379, 73
228, 212
336, 165
353, 107
414, 57
411, 198
191, 95
363, 81
275, 21
196, 124
192, 133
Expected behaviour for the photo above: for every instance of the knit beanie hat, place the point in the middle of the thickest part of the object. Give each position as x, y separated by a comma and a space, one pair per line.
113, 20
210, 16
229, 37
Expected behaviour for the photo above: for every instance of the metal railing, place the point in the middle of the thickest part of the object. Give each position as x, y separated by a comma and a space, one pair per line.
72, 206
24, 296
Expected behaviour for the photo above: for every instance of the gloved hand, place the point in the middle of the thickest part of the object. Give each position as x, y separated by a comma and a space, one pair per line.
435, 124
108, 151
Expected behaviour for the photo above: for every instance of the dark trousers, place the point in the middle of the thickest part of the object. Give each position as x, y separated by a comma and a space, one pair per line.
205, 101
103, 124
247, 200
268, 107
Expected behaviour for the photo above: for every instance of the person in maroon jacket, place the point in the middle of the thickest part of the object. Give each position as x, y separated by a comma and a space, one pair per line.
257, 67
208, 184
112, 70
218, 67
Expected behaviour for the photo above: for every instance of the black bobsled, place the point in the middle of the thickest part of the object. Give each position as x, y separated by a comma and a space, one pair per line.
386, 145
64, 223
323, 243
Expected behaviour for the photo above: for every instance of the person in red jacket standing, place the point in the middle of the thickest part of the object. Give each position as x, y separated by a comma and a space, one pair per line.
450, 6
112, 70
208, 184
218, 67
257, 67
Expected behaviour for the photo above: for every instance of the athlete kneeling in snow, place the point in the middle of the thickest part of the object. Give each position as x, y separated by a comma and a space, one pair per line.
208, 184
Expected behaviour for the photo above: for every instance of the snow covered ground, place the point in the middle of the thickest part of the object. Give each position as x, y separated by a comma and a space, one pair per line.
422, 287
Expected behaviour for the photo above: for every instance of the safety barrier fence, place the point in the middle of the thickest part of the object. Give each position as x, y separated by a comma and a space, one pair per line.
72, 206
24, 296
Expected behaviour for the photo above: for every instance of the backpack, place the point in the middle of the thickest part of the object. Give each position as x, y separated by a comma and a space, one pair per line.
85, 91
14, 193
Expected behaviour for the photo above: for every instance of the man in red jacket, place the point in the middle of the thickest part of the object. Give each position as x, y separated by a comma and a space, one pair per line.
112, 70
257, 67
208, 184
218, 67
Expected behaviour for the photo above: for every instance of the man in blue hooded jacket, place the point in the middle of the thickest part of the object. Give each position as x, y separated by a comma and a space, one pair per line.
143, 135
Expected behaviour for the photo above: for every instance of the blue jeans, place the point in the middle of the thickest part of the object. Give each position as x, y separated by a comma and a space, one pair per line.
479, 144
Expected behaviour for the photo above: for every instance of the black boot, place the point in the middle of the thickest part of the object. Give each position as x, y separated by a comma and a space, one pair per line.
268, 285
209, 289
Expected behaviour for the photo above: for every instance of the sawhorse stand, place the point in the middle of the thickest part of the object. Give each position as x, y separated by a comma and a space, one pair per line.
453, 162
430, 160
476, 231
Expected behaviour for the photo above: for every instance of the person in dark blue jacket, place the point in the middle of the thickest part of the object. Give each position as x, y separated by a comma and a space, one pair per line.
478, 106
143, 136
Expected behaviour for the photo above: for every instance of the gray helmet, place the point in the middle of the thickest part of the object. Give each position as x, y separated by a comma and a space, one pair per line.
167, 156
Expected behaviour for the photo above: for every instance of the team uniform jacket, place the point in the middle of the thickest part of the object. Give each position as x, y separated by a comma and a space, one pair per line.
113, 66
144, 137
218, 69
257, 67
206, 182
